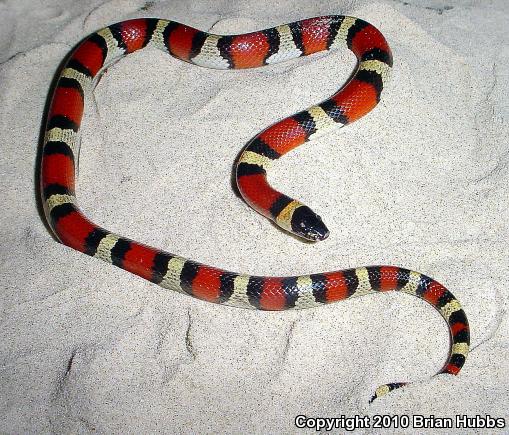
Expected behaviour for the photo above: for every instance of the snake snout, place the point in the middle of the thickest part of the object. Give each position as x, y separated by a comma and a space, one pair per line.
307, 224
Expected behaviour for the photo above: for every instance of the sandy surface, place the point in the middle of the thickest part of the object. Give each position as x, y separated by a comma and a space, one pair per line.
421, 182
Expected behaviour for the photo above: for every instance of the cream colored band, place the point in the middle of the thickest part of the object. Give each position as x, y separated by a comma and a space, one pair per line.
284, 218
171, 279
59, 199
239, 297
461, 348
255, 159
105, 246
377, 66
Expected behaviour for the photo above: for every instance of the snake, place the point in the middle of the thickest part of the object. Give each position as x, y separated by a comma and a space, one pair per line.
75, 81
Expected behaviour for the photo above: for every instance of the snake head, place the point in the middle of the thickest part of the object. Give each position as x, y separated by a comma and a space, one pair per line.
308, 225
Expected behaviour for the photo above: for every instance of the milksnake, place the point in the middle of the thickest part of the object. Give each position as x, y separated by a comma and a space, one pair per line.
59, 160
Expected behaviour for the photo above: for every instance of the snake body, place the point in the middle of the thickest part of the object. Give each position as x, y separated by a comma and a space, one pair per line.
77, 78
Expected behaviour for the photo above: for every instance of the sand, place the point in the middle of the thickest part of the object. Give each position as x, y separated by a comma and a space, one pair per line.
421, 182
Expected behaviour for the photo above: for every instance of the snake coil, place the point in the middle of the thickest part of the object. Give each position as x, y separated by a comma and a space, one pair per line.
76, 81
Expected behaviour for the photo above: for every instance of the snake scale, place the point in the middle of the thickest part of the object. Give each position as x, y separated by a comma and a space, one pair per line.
76, 80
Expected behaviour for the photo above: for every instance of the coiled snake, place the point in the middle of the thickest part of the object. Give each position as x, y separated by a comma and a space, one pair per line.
77, 79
